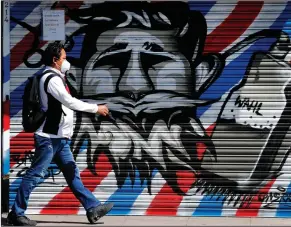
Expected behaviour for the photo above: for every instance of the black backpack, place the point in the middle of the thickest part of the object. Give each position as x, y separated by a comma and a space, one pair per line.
32, 114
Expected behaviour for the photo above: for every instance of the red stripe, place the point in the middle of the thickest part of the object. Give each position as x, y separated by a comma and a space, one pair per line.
17, 52
20, 144
65, 202
233, 26
201, 146
167, 202
252, 209
6, 115
210, 129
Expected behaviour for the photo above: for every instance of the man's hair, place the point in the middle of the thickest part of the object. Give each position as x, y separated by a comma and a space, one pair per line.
53, 50
190, 26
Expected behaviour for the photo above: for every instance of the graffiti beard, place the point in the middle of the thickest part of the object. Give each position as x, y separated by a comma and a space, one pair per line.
145, 135
152, 123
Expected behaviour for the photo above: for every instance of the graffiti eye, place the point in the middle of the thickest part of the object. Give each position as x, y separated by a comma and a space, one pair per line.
116, 60
148, 60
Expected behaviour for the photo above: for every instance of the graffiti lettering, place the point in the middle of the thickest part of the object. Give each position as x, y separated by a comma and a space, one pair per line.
269, 200
51, 172
22, 159
253, 105
273, 198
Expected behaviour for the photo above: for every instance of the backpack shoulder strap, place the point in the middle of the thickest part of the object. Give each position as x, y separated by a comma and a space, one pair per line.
47, 81
53, 74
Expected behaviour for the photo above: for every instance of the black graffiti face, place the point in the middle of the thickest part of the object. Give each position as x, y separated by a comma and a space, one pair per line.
138, 61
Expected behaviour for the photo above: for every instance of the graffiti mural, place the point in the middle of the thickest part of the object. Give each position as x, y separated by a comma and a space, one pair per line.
199, 107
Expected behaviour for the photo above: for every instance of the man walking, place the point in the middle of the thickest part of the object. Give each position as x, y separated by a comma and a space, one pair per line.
52, 140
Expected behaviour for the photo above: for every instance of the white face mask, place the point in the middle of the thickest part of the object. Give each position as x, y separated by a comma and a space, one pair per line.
65, 66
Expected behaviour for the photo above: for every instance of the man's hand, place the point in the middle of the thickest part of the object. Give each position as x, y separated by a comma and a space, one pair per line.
103, 110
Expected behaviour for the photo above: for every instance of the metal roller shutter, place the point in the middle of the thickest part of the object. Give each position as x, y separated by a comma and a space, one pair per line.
199, 94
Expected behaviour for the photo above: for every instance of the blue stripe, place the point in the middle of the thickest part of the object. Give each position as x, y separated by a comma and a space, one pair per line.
287, 28
21, 10
210, 206
284, 208
16, 100
6, 69
202, 6
285, 15
13, 190
125, 197
76, 51
6, 162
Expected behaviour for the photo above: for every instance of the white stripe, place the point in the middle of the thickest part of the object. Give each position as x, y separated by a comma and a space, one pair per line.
190, 203
144, 200
216, 15
228, 209
5, 90
234, 56
211, 114
6, 141
5, 148
104, 190
267, 16
16, 125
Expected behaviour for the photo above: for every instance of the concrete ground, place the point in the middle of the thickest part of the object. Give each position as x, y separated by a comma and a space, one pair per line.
74, 220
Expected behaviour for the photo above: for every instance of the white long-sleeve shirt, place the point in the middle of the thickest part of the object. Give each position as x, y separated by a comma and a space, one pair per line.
57, 89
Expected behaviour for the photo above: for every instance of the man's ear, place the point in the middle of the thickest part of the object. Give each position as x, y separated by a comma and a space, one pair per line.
207, 71
55, 60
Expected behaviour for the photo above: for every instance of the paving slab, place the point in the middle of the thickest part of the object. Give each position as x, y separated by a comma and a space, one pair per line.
81, 220
155, 221
218, 221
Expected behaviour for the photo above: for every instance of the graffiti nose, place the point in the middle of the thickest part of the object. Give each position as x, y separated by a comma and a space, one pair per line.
134, 78
133, 95
135, 84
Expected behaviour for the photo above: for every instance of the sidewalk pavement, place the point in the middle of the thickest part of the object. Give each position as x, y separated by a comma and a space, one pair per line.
81, 220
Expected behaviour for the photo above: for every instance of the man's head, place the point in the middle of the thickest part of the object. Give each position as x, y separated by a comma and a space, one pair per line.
55, 56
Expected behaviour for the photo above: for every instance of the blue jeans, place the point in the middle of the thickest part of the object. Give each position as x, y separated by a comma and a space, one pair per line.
45, 150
